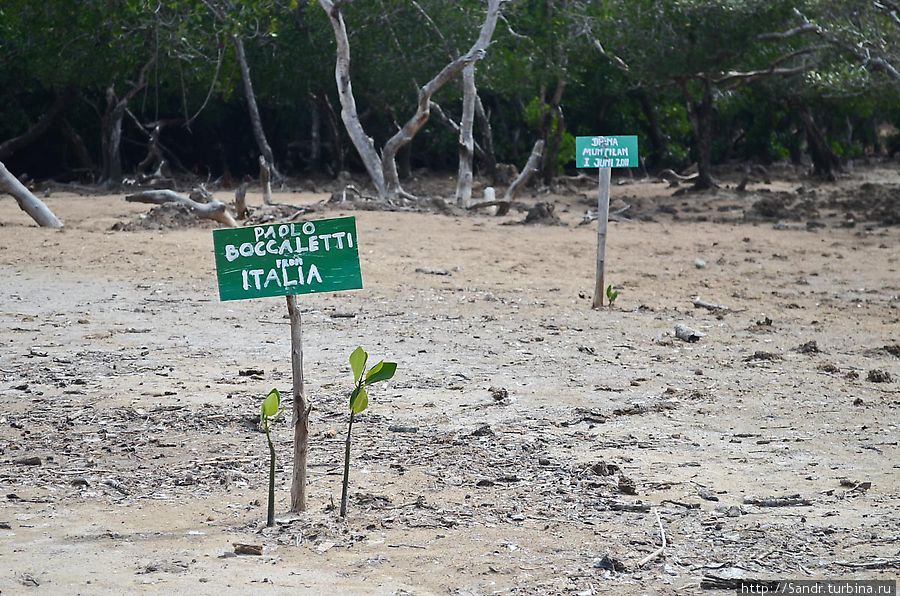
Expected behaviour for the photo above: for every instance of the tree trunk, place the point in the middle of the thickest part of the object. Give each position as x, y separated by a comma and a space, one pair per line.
337, 141
79, 148
487, 140
553, 128
111, 138
111, 126
18, 143
365, 146
315, 133
386, 179
29, 203
701, 117
654, 132
531, 166
825, 162
255, 121
301, 409
466, 140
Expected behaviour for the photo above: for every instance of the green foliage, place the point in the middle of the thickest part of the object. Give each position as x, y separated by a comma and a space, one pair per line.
611, 294
270, 405
267, 411
359, 401
668, 47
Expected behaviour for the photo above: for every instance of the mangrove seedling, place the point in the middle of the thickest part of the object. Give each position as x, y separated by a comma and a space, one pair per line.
359, 401
268, 411
611, 295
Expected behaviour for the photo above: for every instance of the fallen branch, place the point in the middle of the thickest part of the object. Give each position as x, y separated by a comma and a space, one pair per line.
789, 501
213, 209
29, 203
873, 564
709, 305
659, 551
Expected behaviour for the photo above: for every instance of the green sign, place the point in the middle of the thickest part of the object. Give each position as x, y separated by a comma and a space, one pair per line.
607, 152
288, 258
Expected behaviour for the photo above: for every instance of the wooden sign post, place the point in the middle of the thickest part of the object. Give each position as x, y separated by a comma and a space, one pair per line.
286, 260
604, 153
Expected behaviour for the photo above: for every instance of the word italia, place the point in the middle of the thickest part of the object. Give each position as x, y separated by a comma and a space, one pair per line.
287, 273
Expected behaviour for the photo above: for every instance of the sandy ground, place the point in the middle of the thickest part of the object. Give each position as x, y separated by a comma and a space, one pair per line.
121, 371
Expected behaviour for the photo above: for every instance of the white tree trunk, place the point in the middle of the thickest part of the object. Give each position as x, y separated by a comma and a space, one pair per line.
383, 170
29, 203
531, 166
365, 146
423, 110
466, 139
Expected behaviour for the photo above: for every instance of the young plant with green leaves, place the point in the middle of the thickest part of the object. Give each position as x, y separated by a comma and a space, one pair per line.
611, 295
268, 411
359, 401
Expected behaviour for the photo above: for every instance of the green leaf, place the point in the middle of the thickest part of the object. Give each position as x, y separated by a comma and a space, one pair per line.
271, 404
358, 363
611, 294
359, 400
381, 372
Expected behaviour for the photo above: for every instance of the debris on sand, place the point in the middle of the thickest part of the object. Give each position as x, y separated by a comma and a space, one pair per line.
762, 356
685, 333
810, 347
879, 376
788, 501
542, 214
247, 549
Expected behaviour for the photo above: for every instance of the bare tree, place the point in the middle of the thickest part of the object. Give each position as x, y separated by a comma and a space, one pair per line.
220, 12
111, 124
382, 169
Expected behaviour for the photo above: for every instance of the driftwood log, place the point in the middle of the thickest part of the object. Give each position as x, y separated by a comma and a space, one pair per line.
213, 209
29, 203
685, 333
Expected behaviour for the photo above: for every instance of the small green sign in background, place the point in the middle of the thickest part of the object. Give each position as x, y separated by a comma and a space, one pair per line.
288, 258
607, 152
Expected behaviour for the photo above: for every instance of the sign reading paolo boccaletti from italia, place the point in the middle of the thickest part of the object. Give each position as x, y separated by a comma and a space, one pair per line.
607, 152
288, 258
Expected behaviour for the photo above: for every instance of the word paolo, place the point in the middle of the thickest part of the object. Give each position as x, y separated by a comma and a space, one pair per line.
282, 259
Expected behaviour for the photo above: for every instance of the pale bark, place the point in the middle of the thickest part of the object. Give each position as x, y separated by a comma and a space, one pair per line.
418, 120
602, 227
531, 166
265, 180
301, 409
364, 144
214, 210
383, 169
466, 140
29, 203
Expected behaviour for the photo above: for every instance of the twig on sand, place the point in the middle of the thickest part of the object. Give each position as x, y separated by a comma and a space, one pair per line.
659, 551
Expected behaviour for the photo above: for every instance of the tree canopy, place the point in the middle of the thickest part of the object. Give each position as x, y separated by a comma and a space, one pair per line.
700, 81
